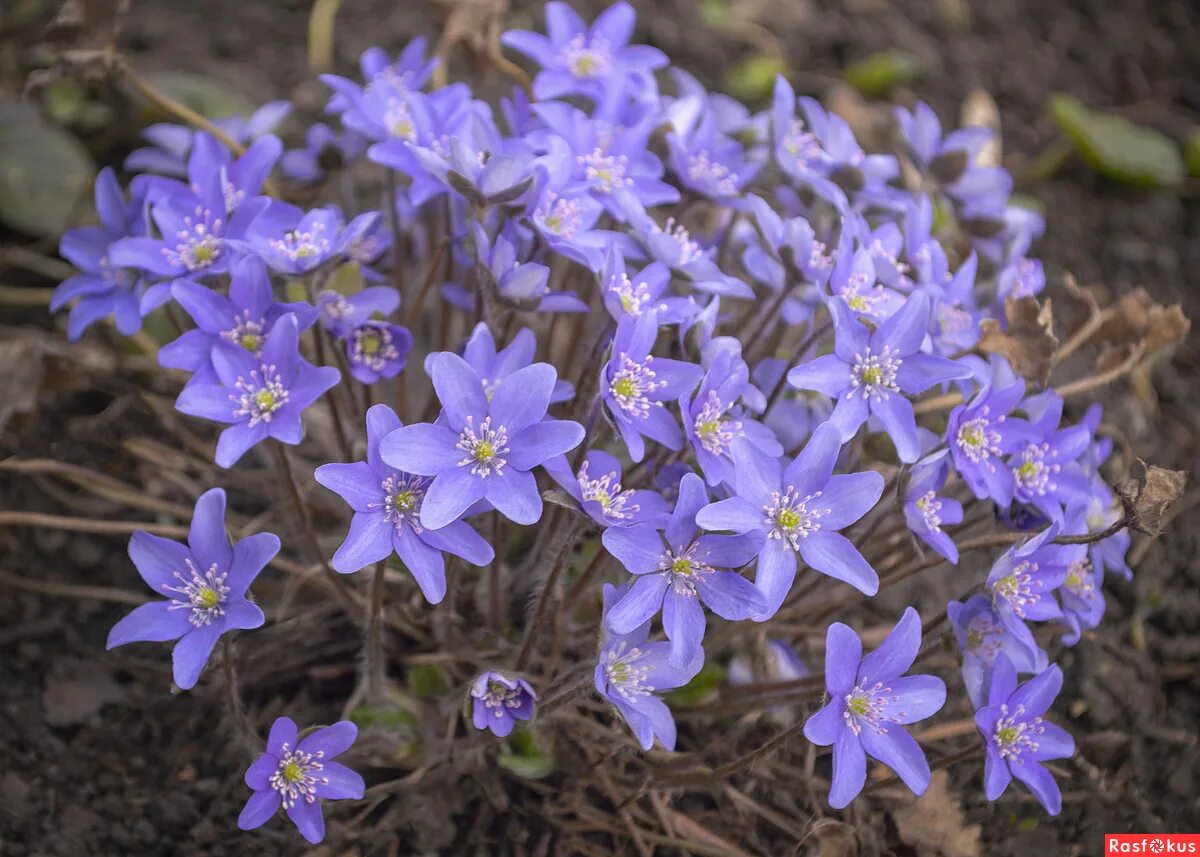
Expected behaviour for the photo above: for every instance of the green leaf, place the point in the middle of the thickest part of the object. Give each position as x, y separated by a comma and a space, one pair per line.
45, 173
426, 680
715, 13
1117, 148
880, 73
1191, 152
208, 97
524, 756
753, 78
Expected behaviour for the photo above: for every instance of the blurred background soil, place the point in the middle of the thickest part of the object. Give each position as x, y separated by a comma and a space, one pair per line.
95, 756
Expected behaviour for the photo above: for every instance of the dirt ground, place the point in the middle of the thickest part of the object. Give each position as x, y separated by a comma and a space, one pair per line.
97, 758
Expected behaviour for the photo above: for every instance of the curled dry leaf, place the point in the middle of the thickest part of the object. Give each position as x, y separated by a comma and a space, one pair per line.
934, 823
1147, 499
1137, 318
1029, 344
979, 109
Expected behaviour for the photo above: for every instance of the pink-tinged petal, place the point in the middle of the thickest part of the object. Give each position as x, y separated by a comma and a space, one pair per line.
331, 740
638, 605
450, 495
916, 697
522, 398
849, 496
730, 595
849, 770
736, 515
515, 495
824, 727
843, 653
536, 443
897, 749
683, 620
1041, 782
827, 374
259, 809
355, 483
639, 548
284, 732
774, 577
158, 560
834, 555
258, 775
191, 654
896, 414
154, 622
426, 449
459, 389
896, 653
308, 820
342, 783
368, 541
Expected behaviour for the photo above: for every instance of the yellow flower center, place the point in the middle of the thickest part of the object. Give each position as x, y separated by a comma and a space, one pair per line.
265, 400
788, 519
484, 451
1007, 734
1028, 470
203, 254
872, 375
681, 566
404, 501
625, 388
207, 598
292, 772
859, 705
370, 343
249, 341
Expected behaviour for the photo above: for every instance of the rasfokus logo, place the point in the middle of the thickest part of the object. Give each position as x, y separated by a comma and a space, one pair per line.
1152, 843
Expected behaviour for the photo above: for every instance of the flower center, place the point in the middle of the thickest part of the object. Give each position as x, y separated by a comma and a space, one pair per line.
632, 385
298, 245
588, 58
198, 242
977, 440
868, 706
1034, 473
484, 449
1015, 735
874, 375
562, 217
298, 776
373, 346
788, 516
402, 496
930, 507
689, 250
1080, 581
605, 172
684, 569
625, 675
246, 332
606, 491
1019, 588
633, 298
202, 594
498, 697
714, 432
259, 397
716, 177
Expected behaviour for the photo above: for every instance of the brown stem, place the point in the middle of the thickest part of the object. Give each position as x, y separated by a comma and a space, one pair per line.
233, 696
376, 666
565, 536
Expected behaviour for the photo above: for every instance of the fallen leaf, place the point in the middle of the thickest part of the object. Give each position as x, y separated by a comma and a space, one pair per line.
835, 839
979, 110
1029, 344
71, 701
1148, 498
934, 823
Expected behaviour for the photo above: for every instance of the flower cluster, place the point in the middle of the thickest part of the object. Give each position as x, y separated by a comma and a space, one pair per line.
714, 330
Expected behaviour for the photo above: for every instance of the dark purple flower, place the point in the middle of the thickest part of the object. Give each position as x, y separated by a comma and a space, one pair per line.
677, 569
498, 702
387, 516
874, 372
205, 582
482, 448
926, 510
799, 508
597, 489
377, 350
1018, 739
630, 670
982, 638
243, 319
869, 698
342, 313
635, 385
297, 773
259, 396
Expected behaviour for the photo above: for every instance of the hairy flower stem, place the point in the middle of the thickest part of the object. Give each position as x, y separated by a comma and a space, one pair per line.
559, 549
233, 696
495, 596
376, 666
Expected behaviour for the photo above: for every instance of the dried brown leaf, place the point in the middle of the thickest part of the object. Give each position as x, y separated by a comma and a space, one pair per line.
835, 839
1137, 318
1148, 498
1029, 344
934, 823
979, 109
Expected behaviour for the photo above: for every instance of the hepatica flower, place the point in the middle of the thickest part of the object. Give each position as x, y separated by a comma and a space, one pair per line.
926, 509
258, 396
377, 350
292, 241
634, 385
342, 313
630, 670
498, 702
875, 372
981, 433
205, 583
1017, 736
387, 516
677, 569
597, 488
983, 638
870, 699
482, 449
798, 507
1023, 580
297, 774
494, 365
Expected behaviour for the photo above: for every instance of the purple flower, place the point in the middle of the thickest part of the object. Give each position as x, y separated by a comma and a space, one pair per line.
982, 432
293, 241
377, 350
869, 698
1046, 472
925, 511
297, 773
873, 372
171, 144
325, 151
982, 638
581, 60
387, 516
1023, 580
482, 448
947, 157
630, 671
1082, 597
1017, 738
243, 319
708, 162
205, 582
342, 313
520, 283
495, 365
259, 396
628, 294
567, 225
499, 702
409, 72
799, 508
634, 385
597, 489
102, 288
677, 569
674, 246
